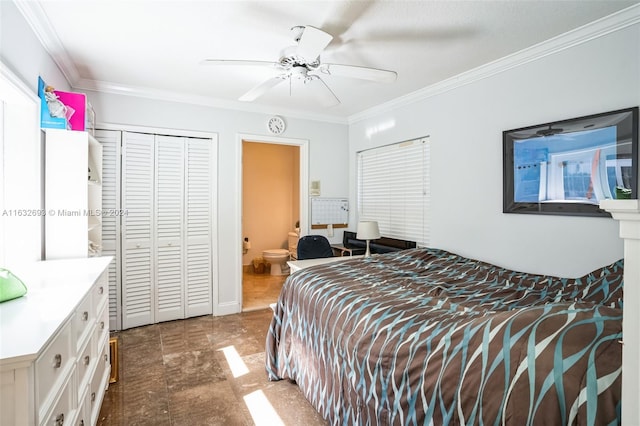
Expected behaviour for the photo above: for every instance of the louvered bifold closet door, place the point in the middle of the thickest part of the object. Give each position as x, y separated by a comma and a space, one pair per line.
199, 227
169, 193
111, 141
138, 228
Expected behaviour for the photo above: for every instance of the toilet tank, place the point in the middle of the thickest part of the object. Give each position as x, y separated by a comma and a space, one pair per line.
293, 244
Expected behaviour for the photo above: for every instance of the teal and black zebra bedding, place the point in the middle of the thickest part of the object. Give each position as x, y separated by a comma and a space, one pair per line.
424, 336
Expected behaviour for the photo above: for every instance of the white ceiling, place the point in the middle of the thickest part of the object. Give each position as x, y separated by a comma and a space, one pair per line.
154, 48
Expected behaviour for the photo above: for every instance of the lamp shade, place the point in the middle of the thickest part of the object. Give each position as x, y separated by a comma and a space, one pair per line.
368, 230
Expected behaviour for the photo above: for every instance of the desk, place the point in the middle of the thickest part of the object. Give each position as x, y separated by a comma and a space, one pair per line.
296, 265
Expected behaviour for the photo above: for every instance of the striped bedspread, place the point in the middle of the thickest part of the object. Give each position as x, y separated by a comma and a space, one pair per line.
424, 336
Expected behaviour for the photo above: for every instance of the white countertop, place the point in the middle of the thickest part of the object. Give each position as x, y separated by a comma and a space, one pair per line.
54, 290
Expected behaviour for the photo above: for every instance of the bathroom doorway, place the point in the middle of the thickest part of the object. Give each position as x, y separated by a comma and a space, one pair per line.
271, 208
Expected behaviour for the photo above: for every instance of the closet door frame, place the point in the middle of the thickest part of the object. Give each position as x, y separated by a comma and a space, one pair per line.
213, 137
111, 203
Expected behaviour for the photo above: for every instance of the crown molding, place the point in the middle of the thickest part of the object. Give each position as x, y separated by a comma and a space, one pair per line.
170, 96
599, 28
37, 19
39, 23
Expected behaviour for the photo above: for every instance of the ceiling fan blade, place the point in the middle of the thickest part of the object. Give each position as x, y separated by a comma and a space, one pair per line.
326, 95
363, 73
261, 88
312, 43
234, 62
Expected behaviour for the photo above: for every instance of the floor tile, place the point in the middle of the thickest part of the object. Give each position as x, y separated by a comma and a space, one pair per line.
175, 373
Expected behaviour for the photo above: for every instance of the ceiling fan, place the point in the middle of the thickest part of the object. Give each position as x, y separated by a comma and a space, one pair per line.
302, 62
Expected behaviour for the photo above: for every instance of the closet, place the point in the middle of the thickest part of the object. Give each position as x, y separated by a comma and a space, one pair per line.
159, 192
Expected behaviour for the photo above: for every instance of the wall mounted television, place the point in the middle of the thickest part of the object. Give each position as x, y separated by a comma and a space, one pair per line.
567, 167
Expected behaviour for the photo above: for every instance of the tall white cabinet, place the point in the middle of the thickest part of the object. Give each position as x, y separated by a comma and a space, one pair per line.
73, 194
163, 241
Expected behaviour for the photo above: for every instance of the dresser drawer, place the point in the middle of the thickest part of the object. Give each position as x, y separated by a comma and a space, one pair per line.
53, 366
85, 364
101, 292
101, 332
84, 408
83, 320
99, 382
64, 411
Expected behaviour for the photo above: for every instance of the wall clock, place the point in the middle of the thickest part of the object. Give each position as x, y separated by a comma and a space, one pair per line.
276, 125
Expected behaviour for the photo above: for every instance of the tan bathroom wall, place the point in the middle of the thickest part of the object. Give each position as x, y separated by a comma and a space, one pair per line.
271, 195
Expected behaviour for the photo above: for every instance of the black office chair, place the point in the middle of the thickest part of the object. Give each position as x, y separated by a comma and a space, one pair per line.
313, 247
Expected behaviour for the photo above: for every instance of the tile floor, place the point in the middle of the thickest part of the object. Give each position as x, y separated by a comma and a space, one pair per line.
175, 373
259, 290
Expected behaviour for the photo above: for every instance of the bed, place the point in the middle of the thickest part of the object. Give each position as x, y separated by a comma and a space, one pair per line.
425, 336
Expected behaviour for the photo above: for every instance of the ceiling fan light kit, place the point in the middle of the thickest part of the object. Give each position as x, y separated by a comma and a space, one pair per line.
302, 62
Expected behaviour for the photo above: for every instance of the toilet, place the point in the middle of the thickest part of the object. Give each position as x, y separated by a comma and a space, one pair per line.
278, 260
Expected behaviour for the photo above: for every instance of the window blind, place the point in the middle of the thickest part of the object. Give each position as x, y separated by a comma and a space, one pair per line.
394, 189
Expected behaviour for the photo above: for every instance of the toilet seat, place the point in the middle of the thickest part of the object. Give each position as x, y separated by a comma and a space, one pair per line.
275, 252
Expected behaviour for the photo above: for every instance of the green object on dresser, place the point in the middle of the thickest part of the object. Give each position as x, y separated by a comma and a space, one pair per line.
10, 286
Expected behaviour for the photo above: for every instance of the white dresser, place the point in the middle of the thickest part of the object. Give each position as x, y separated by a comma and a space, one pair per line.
54, 344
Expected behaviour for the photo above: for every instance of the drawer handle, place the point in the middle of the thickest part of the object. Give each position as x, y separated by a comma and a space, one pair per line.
57, 361
101, 290
86, 360
60, 419
81, 422
93, 396
106, 358
85, 316
101, 325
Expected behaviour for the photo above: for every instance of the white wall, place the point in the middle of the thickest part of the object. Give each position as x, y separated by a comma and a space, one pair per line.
466, 124
23, 53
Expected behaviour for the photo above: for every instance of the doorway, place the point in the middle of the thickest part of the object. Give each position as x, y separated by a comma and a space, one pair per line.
272, 194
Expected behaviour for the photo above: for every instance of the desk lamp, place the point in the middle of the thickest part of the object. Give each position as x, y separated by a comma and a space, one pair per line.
368, 230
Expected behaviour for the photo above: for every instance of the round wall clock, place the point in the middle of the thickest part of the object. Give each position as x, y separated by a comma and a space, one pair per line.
276, 125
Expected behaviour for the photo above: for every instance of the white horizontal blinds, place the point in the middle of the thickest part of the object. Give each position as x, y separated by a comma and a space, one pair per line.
169, 214
394, 189
111, 140
199, 205
137, 230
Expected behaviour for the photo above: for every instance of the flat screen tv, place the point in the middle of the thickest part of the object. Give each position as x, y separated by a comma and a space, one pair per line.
567, 167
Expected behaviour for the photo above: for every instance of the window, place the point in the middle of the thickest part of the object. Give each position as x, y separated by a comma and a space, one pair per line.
394, 189
21, 214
